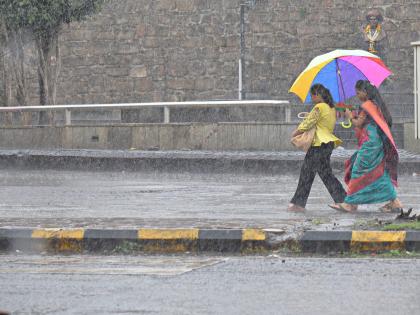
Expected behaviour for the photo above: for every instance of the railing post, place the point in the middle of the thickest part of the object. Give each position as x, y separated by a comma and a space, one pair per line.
416, 46
287, 113
67, 117
166, 114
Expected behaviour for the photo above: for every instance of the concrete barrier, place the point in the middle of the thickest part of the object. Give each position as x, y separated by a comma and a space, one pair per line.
177, 136
263, 136
411, 144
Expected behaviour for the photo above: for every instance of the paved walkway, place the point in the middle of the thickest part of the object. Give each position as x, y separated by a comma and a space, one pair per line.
51, 198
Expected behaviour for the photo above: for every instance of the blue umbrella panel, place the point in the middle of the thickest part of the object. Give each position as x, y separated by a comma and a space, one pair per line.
340, 78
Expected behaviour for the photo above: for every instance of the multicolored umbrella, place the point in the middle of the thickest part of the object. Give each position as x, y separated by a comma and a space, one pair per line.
339, 71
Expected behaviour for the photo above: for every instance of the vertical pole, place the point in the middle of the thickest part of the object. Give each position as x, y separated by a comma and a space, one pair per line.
341, 82
67, 117
166, 114
242, 52
287, 113
240, 80
416, 89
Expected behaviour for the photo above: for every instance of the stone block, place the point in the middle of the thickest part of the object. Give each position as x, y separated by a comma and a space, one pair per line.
204, 84
164, 4
145, 137
143, 85
181, 137
119, 138
180, 84
151, 42
138, 72
140, 31
177, 69
203, 136
185, 5
117, 71
89, 137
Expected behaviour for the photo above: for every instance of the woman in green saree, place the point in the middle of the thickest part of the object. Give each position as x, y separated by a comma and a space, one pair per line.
371, 173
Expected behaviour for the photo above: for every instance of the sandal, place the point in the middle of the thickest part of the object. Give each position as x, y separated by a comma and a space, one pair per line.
341, 208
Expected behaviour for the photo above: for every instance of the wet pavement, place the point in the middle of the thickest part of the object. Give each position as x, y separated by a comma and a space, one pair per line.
208, 285
339, 153
50, 198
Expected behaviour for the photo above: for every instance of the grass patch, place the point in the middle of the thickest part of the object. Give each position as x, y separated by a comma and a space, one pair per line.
366, 224
126, 247
317, 221
415, 225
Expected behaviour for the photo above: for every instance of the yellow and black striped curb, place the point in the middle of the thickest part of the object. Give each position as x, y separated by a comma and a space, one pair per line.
203, 240
144, 239
359, 241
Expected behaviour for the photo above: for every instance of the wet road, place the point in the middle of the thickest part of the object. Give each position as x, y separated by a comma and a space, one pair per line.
124, 199
207, 285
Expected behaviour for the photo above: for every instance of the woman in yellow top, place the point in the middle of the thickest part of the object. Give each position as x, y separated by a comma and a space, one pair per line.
317, 159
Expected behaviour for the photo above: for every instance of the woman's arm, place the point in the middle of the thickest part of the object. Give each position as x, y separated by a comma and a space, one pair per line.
310, 121
357, 121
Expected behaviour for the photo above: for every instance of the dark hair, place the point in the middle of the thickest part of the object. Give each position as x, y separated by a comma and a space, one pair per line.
373, 95
319, 89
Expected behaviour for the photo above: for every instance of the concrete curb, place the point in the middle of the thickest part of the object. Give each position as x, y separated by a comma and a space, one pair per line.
162, 164
215, 162
144, 240
323, 242
203, 240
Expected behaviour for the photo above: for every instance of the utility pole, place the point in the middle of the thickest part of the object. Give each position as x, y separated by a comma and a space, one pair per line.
246, 5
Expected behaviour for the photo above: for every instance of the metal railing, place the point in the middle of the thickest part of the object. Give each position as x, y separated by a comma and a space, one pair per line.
67, 109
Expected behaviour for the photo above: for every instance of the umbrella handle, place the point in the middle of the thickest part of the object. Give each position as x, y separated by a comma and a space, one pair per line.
302, 115
346, 126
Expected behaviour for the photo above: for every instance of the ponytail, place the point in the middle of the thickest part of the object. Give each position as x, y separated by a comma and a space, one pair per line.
374, 96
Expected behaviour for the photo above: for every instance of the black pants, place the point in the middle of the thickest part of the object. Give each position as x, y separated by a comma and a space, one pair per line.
317, 160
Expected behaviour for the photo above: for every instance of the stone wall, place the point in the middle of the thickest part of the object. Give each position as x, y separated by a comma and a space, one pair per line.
180, 50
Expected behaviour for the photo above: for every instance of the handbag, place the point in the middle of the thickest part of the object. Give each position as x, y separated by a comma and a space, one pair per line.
304, 140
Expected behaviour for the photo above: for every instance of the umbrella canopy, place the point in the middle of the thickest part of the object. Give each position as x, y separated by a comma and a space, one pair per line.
339, 71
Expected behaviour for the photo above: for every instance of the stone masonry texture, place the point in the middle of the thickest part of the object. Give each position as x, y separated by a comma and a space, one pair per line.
183, 50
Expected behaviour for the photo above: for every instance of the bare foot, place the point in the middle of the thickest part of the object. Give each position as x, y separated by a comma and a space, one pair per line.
393, 206
295, 208
396, 203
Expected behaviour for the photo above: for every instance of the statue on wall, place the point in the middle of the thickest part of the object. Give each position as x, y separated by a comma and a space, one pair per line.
373, 32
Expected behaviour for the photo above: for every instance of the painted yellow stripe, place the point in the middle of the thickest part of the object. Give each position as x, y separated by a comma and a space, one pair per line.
302, 84
377, 240
253, 235
378, 236
57, 233
168, 234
